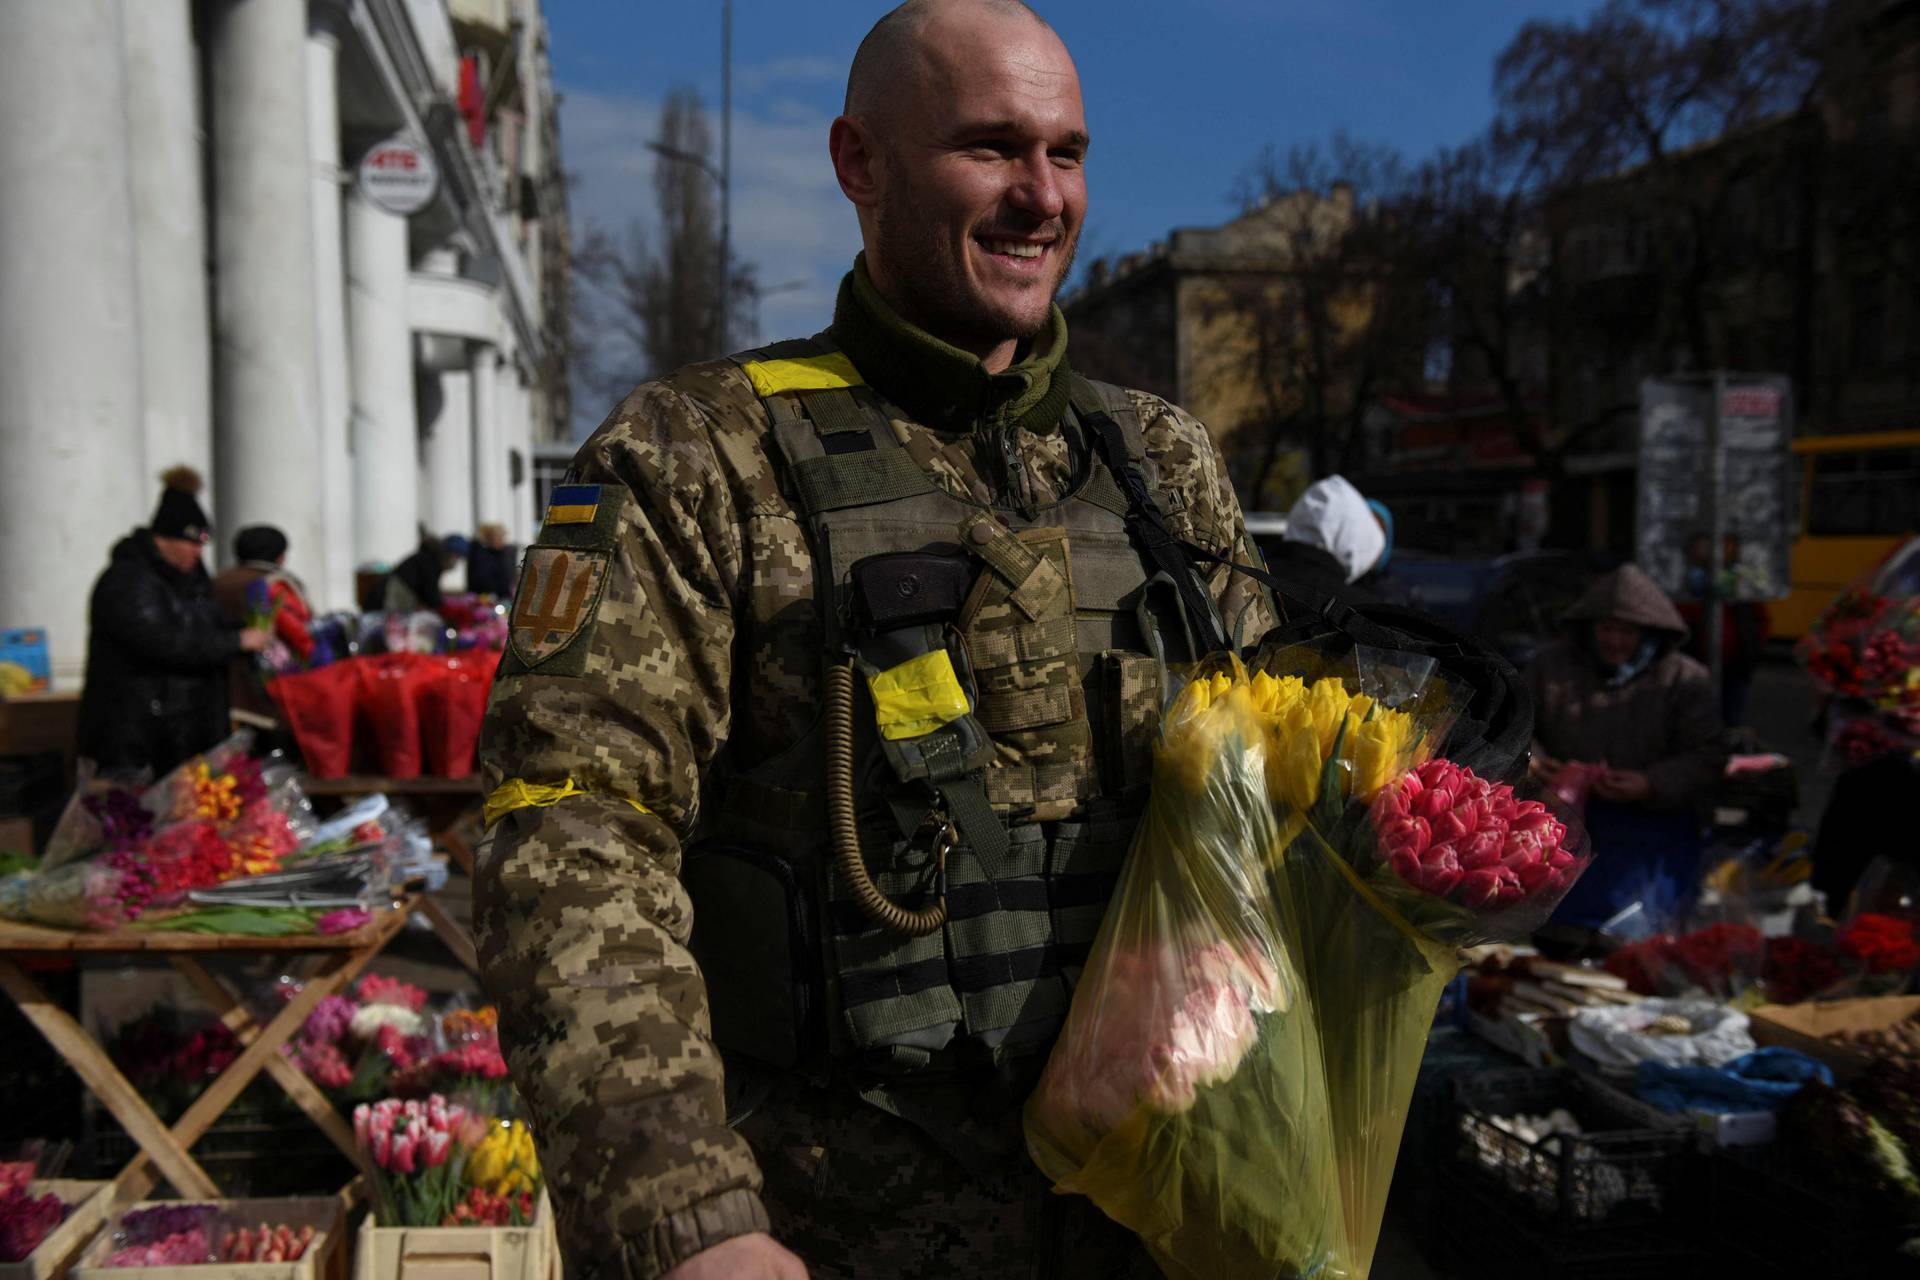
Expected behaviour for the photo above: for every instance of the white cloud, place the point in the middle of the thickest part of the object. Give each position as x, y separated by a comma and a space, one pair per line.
789, 218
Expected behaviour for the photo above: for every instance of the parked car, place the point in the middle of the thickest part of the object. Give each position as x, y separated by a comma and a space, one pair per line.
1512, 602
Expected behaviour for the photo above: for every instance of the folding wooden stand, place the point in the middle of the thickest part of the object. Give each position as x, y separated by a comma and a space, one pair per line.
339, 958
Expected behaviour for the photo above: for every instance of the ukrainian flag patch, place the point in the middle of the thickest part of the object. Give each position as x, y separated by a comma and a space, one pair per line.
573, 504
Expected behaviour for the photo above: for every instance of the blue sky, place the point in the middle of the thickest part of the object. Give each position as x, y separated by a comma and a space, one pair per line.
1181, 97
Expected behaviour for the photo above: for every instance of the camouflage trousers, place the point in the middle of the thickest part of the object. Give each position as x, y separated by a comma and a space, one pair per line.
860, 1193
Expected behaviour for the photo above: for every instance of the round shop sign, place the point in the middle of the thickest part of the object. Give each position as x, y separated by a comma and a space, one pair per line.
399, 176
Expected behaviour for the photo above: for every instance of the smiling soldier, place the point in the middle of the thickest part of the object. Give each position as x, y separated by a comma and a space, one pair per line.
826, 717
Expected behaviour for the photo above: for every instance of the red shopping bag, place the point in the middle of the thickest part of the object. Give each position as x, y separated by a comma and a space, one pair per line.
319, 707
451, 707
390, 686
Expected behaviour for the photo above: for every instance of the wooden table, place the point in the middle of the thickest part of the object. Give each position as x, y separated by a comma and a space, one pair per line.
339, 958
445, 804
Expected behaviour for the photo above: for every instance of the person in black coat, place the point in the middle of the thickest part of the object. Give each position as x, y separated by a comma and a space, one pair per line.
414, 583
157, 645
490, 563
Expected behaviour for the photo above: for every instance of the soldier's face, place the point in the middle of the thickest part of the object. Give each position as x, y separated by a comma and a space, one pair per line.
982, 184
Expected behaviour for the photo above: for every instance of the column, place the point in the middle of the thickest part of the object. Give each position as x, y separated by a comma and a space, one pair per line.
518, 421
386, 504
170, 238
74, 480
449, 456
266, 384
489, 454
333, 403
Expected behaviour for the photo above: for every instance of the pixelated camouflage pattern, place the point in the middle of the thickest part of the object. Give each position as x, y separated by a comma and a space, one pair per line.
1033, 707
706, 637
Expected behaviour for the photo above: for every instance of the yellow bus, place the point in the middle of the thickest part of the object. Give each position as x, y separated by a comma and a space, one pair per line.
1859, 499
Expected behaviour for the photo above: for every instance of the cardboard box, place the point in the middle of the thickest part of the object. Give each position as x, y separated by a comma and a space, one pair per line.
460, 1253
87, 1204
325, 1214
1810, 1027
26, 648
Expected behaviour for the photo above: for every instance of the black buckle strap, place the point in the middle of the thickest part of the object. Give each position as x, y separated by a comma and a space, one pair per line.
1144, 521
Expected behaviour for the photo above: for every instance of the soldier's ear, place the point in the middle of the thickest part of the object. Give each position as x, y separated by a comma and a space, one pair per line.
856, 162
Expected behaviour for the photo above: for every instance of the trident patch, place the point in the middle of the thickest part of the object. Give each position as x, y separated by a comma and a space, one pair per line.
559, 594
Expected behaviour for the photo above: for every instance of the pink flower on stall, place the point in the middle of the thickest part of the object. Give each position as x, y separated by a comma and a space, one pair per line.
374, 989
345, 920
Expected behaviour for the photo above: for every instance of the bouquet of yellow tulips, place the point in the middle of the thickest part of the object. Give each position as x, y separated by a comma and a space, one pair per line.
1235, 1071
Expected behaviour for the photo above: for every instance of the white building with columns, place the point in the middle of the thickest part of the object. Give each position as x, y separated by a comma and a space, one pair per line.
201, 262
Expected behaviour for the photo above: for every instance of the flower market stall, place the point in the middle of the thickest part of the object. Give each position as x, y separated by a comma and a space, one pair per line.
166, 1151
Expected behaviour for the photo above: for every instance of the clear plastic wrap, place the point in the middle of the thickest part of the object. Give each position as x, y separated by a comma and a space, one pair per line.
1239, 1059
1185, 1095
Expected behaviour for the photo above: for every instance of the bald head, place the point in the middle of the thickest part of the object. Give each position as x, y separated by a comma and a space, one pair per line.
891, 55
962, 149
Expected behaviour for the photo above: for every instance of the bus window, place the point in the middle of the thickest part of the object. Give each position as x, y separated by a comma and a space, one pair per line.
1863, 495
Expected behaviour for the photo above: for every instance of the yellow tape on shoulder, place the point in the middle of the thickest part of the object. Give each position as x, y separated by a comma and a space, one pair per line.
812, 373
918, 696
516, 793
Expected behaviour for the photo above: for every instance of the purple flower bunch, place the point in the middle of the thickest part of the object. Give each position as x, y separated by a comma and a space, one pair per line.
124, 821
162, 1221
328, 1022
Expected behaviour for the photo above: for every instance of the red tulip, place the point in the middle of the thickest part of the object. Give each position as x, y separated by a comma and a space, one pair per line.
1409, 835
1483, 848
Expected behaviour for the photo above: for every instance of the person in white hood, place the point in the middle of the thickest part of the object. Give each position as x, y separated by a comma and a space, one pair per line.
1334, 538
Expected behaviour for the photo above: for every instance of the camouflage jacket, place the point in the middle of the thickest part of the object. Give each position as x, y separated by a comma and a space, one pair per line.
703, 638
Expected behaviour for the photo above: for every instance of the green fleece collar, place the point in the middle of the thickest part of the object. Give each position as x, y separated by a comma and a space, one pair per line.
937, 383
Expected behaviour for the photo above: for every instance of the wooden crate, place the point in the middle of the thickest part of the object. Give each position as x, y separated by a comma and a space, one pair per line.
1809, 1027
460, 1253
322, 1260
89, 1203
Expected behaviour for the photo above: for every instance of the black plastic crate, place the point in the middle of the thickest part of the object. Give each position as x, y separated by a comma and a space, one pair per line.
1628, 1165
1485, 1235
1780, 1220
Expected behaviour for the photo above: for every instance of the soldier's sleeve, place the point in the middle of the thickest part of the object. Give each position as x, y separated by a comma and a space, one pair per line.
610, 703
1207, 512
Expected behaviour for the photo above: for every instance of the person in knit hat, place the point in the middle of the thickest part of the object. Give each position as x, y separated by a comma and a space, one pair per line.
157, 645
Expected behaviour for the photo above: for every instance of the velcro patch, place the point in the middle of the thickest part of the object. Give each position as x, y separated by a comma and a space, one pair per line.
560, 590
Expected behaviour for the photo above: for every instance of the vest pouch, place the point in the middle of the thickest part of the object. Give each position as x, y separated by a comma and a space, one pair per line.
918, 698
753, 938
1129, 707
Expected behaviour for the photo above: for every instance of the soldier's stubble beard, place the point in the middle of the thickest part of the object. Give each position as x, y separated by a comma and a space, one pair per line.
935, 289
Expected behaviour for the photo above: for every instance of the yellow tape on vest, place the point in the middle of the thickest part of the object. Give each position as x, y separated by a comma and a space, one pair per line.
814, 373
918, 696
515, 793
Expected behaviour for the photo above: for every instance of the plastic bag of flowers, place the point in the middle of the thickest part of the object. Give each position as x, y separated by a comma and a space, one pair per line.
1185, 1094
80, 895
1394, 857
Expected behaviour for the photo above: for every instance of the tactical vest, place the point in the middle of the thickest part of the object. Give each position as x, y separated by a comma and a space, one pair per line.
1015, 806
